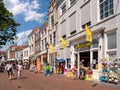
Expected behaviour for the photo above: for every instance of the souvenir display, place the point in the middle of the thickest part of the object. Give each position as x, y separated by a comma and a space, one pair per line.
70, 73
110, 72
88, 75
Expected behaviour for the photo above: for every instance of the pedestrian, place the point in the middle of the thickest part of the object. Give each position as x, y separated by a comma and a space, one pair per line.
8, 67
14, 69
47, 68
19, 70
81, 70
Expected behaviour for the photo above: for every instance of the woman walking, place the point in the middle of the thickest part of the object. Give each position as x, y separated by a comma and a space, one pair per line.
8, 67
19, 69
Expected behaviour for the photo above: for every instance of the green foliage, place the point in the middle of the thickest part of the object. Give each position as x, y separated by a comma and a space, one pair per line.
7, 25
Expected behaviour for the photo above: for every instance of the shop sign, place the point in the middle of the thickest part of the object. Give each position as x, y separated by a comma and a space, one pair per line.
83, 45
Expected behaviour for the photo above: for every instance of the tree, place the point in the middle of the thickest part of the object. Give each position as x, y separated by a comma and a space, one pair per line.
7, 26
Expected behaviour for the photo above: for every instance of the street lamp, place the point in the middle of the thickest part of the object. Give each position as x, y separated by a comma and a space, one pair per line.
47, 47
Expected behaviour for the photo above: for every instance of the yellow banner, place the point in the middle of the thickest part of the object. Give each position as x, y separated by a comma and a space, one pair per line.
64, 43
51, 48
88, 34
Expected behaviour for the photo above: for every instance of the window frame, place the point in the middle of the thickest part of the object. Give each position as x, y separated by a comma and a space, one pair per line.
63, 8
106, 8
108, 34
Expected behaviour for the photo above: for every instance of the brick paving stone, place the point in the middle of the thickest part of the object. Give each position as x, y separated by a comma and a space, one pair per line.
38, 81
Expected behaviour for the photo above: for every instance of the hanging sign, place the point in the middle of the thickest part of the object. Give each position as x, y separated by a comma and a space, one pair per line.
83, 45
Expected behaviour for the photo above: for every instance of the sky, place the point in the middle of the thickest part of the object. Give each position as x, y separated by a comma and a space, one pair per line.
29, 14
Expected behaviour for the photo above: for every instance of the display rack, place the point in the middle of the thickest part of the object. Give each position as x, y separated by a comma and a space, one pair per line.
110, 71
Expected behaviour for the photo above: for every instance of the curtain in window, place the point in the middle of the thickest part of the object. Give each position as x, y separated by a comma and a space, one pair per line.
63, 28
72, 22
112, 44
85, 14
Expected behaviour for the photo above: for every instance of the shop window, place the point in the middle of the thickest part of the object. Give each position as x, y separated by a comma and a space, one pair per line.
95, 60
68, 63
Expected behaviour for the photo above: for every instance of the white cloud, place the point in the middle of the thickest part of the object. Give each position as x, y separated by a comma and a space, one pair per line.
26, 8
32, 15
22, 37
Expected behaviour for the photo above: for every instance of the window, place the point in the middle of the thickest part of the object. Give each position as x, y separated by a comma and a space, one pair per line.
63, 8
52, 21
72, 2
50, 39
106, 8
64, 36
85, 16
95, 43
42, 45
111, 38
45, 40
89, 24
63, 28
72, 19
54, 38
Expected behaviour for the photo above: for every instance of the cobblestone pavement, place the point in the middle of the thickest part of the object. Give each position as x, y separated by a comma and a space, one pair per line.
38, 81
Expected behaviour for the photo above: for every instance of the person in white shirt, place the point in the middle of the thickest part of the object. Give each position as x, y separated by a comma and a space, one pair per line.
8, 67
19, 69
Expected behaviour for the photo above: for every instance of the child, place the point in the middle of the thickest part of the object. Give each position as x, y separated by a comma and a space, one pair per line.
47, 69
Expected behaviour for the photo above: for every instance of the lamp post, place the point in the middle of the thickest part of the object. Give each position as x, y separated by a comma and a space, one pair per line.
47, 47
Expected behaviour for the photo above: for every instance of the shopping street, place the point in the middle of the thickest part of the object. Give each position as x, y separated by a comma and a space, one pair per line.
38, 81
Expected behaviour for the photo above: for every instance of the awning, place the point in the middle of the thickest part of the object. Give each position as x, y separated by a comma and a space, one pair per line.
60, 60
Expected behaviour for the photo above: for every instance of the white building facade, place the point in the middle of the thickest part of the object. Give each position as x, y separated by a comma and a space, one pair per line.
103, 17
31, 40
26, 56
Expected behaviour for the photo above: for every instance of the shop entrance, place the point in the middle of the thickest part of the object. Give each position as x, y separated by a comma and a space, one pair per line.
86, 57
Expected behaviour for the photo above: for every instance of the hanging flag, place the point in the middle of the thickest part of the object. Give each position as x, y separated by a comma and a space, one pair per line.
51, 48
88, 34
64, 43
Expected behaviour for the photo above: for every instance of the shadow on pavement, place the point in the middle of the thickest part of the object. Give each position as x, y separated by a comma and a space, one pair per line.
17, 78
94, 84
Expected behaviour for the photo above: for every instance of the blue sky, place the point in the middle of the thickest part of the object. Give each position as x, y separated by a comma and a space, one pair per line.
28, 13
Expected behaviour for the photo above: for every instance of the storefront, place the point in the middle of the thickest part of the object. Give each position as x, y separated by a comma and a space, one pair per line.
52, 58
60, 66
44, 59
26, 64
91, 52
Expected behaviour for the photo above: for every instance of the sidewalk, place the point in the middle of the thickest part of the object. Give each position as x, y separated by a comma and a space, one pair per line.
96, 82
38, 81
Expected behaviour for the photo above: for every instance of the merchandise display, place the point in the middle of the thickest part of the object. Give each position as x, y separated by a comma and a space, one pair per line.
110, 72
